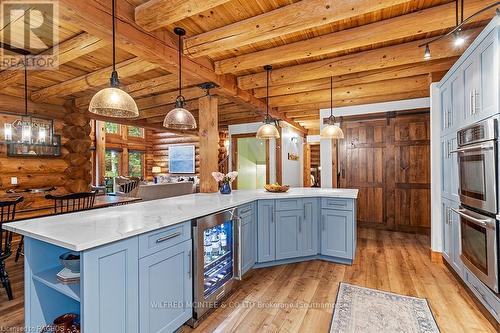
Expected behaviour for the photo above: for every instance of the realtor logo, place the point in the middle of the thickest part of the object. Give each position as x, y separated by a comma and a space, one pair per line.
29, 35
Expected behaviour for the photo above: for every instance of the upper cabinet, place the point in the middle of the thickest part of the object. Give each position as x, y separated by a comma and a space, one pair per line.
488, 93
470, 92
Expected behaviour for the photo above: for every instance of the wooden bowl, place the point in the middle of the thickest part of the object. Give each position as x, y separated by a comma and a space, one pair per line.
276, 189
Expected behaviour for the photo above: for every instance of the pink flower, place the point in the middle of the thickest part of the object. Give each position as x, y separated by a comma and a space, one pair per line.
218, 176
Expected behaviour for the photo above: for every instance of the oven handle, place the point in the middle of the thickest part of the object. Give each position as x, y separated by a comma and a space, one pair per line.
482, 222
482, 146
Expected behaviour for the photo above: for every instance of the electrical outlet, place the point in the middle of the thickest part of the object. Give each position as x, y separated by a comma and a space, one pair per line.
13, 180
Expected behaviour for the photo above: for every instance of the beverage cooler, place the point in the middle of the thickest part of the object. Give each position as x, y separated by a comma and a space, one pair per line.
215, 259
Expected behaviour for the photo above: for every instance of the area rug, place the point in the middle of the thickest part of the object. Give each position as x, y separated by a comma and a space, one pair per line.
364, 310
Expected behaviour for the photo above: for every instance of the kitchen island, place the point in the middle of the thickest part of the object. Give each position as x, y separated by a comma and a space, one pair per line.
136, 260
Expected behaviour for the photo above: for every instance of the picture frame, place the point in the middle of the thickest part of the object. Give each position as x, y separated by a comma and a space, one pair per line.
181, 159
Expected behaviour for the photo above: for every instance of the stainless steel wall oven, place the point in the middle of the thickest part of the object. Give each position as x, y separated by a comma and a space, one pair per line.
477, 165
477, 158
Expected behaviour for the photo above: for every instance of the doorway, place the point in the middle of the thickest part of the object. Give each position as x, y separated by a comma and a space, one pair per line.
250, 157
312, 165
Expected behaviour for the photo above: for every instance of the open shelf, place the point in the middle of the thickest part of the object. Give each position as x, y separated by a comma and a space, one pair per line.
49, 278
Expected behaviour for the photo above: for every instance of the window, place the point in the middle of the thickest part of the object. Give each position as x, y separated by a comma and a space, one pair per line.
112, 128
135, 164
112, 162
136, 132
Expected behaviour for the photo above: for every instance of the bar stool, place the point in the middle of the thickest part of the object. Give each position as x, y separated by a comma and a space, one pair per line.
7, 214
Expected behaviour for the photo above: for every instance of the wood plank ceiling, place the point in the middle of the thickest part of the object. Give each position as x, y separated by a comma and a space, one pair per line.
369, 47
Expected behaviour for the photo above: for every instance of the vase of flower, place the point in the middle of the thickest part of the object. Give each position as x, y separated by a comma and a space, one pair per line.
225, 188
225, 180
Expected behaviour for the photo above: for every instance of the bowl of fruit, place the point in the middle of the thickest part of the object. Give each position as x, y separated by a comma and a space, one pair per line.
275, 188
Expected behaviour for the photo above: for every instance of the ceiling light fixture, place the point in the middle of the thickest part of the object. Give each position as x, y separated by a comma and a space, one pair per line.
460, 38
179, 118
270, 128
113, 101
427, 53
331, 130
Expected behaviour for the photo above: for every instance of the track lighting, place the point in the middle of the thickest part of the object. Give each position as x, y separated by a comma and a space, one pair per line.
427, 53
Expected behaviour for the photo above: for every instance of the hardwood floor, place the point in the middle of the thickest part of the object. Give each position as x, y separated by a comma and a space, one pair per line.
386, 260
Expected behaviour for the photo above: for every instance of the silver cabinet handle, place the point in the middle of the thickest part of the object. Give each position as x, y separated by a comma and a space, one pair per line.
449, 118
272, 215
300, 224
245, 211
476, 96
305, 207
162, 239
471, 102
190, 266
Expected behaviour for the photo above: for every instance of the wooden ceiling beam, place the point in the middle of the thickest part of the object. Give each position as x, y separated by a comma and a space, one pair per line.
298, 16
141, 123
352, 92
191, 105
68, 50
155, 14
385, 57
15, 105
95, 79
375, 75
404, 26
156, 47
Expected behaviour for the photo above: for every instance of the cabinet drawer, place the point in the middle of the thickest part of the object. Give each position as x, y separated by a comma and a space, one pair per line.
288, 204
334, 203
245, 210
157, 240
483, 294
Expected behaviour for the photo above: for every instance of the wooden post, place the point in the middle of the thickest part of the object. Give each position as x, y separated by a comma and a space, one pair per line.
279, 159
307, 165
100, 150
77, 131
209, 142
334, 163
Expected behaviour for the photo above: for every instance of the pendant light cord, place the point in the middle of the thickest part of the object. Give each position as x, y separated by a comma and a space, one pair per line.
26, 85
331, 96
113, 9
267, 92
180, 66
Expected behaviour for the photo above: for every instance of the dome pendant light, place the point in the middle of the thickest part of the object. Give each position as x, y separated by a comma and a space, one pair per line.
331, 130
269, 130
113, 101
179, 118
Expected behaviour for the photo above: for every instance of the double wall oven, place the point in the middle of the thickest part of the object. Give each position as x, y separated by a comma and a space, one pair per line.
477, 158
216, 260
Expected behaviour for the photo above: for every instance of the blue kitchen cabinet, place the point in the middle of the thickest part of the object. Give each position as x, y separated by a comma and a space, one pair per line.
457, 100
309, 228
446, 109
110, 298
266, 231
166, 289
337, 234
488, 55
456, 262
248, 237
288, 234
449, 167
447, 230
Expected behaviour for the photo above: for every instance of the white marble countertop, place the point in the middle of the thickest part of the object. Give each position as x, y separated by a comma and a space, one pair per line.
88, 229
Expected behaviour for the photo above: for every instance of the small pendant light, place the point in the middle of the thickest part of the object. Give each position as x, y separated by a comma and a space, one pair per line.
331, 130
179, 118
113, 101
269, 130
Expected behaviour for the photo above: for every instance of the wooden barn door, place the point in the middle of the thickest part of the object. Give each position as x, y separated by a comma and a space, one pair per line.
363, 167
388, 160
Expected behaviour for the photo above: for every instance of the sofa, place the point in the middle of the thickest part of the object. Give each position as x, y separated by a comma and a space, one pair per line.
164, 190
